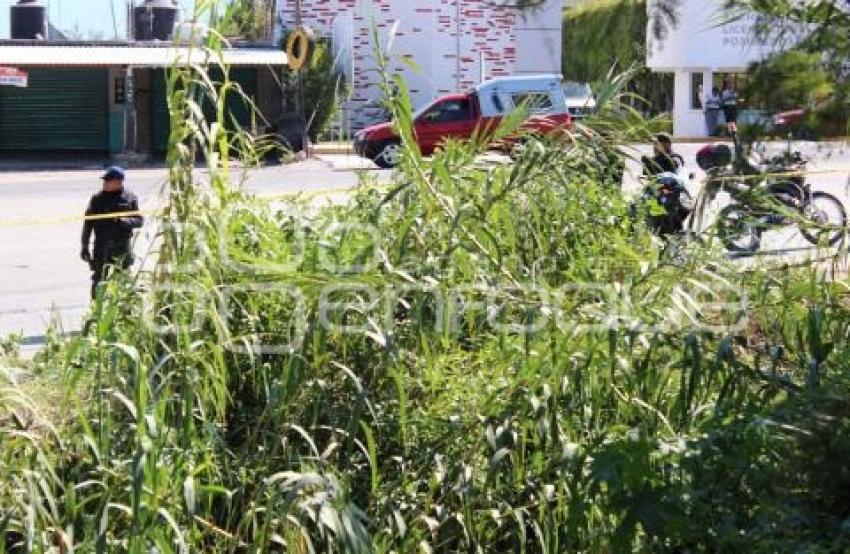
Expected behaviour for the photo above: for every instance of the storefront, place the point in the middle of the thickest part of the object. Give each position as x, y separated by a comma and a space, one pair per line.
154, 120
37, 118
703, 50
78, 99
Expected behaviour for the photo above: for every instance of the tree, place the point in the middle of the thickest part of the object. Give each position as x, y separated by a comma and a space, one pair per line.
323, 88
820, 28
789, 80
249, 19
817, 26
610, 36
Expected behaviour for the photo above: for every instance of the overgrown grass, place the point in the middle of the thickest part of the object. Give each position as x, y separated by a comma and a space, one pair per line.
479, 358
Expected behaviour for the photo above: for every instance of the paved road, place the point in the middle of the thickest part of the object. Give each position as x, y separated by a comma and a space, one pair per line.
41, 275
829, 166
42, 278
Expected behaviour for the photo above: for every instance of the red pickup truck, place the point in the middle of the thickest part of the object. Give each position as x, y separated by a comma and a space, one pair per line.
460, 116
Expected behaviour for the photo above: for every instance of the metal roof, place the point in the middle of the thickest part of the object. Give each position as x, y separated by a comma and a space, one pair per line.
143, 55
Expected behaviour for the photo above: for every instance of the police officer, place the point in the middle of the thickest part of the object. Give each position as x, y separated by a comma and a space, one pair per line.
664, 160
665, 187
111, 235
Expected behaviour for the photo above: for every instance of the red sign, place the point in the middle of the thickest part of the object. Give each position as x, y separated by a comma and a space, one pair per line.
13, 77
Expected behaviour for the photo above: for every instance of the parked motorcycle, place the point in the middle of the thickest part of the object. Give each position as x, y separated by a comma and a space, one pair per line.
668, 204
769, 195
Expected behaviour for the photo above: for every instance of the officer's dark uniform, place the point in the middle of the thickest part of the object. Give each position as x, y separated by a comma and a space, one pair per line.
662, 163
654, 168
111, 236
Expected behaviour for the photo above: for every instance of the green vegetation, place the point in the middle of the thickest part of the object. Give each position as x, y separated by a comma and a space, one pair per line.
248, 19
323, 90
489, 359
787, 81
796, 79
604, 38
814, 73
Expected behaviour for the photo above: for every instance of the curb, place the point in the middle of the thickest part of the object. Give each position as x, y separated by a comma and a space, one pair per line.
331, 149
697, 140
692, 140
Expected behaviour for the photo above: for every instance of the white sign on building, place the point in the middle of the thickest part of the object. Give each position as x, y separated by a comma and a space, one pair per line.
13, 77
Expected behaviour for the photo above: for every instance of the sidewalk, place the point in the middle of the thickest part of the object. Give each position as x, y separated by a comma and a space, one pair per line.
332, 148
30, 162
33, 163
52, 162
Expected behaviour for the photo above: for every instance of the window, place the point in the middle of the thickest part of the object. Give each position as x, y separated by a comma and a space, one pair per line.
577, 90
497, 102
535, 102
450, 111
120, 90
739, 82
697, 90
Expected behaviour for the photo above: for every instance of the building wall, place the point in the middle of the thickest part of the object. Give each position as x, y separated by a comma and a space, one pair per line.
700, 39
539, 39
117, 119
268, 98
447, 41
143, 84
697, 48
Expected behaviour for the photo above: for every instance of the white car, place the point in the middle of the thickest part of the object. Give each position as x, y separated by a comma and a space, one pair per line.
580, 99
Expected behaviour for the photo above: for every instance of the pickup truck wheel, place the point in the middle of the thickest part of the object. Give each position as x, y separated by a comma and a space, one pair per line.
387, 154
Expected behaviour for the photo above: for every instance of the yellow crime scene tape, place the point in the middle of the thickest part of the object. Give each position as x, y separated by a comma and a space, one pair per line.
760, 176
38, 222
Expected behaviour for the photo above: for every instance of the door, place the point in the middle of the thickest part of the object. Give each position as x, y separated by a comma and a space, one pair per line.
238, 111
452, 118
62, 109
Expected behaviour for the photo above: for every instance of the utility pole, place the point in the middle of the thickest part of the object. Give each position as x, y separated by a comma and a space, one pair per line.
300, 108
482, 66
129, 21
114, 19
130, 92
272, 20
458, 68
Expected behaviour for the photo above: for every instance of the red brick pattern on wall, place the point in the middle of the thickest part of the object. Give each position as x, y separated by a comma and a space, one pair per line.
430, 32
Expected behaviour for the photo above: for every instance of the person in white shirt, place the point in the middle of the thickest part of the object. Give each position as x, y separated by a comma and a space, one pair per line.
711, 106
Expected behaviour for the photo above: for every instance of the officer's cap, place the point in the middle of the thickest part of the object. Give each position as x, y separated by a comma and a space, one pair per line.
114, 172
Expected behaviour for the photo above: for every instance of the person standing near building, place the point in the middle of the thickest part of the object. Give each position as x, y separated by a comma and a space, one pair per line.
711, 105
112, 235
729, 102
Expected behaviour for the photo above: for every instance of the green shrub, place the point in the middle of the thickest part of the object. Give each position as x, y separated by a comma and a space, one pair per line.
797, 79
601, 39
248, 19
323, 91
631, 414
787, 81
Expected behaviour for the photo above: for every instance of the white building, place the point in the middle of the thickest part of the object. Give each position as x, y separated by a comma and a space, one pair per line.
702, 51
453, 43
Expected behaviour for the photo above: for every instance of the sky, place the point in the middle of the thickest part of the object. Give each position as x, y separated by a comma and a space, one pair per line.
88, 19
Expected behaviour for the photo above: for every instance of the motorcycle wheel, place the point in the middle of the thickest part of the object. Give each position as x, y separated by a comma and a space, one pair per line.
738, 232
825, 210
